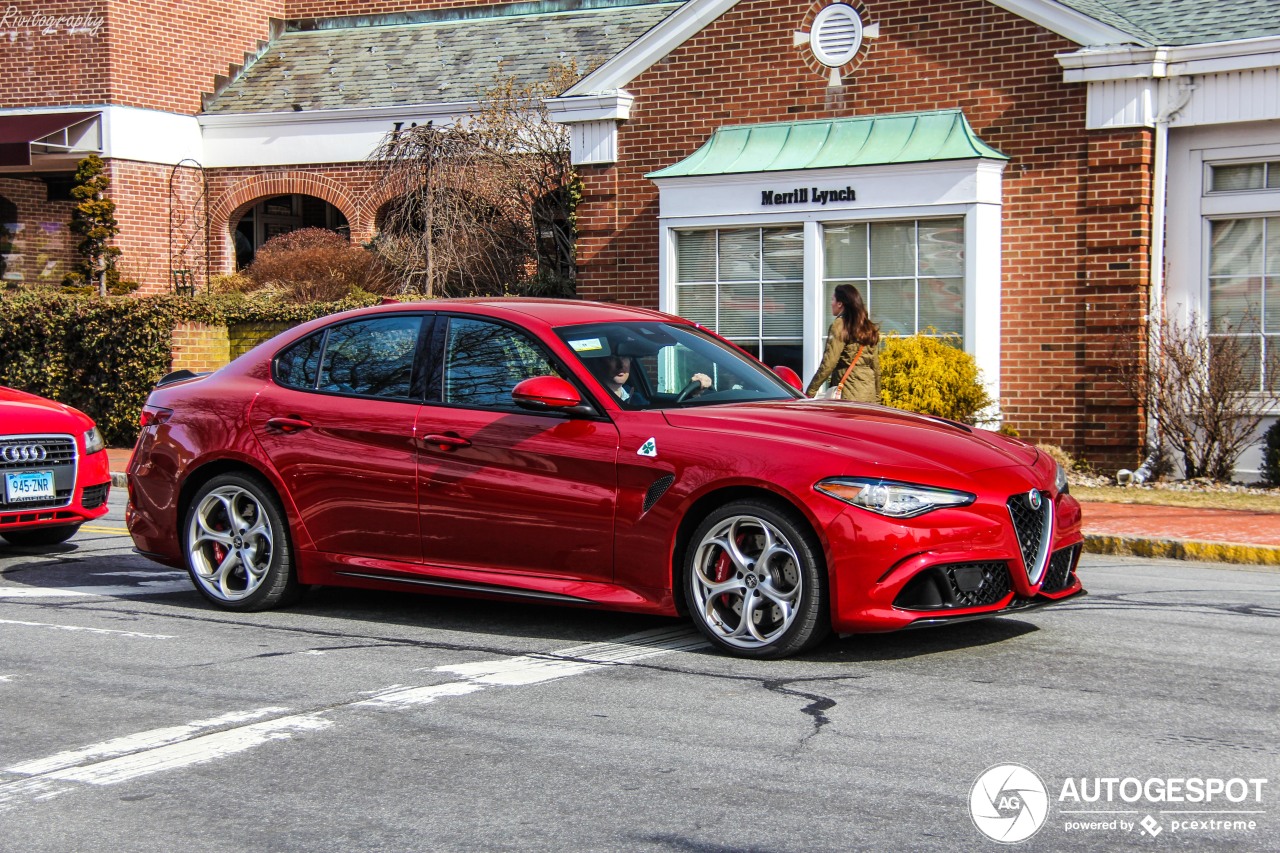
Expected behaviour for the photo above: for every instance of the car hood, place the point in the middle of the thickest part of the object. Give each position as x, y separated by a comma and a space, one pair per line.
871, 438
23, 412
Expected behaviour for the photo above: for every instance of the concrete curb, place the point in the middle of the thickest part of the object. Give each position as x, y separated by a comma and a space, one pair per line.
119, 480
1183, 549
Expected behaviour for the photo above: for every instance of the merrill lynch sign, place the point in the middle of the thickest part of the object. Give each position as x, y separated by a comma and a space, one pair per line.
806, 195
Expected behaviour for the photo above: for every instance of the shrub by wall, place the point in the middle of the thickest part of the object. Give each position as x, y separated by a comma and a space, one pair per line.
103, 355
931, 375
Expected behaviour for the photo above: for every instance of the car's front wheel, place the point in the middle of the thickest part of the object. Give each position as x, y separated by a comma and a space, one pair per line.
755, 581
237, 545
37, 536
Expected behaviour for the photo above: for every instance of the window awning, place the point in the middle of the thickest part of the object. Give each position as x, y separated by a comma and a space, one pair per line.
37, 134
838, 143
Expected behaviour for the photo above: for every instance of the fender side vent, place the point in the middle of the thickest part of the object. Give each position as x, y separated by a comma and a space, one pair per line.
657, 490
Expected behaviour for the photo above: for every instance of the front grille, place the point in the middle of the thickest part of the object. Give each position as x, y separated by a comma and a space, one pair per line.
95, 496
58, 450
1058, 576
1032, 528
978, 584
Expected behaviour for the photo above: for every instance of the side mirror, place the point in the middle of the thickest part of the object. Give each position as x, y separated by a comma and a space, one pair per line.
789, 376
547, 394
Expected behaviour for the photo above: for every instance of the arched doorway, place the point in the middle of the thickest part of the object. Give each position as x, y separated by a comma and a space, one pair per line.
270, 217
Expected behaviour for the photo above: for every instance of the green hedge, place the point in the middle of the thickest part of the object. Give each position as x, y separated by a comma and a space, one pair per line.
103, 355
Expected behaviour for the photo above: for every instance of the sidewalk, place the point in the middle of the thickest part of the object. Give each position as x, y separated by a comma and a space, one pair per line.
1179, 533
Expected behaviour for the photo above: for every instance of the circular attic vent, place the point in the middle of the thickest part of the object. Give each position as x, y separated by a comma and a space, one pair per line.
836, 35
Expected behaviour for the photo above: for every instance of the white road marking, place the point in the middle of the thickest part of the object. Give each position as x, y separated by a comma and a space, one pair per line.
139, 742
134, 756
143, 575
85, 630
145, 588
190, 752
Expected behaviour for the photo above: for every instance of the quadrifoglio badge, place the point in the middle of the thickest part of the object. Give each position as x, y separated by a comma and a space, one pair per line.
1010, 803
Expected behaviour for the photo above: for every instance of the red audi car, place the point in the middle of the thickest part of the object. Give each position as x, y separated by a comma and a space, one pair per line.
587, 455
56, 474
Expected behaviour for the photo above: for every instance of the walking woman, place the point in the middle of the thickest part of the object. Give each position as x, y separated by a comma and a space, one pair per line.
850, 362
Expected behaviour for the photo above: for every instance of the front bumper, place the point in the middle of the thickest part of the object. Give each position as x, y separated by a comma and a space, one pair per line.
948, 566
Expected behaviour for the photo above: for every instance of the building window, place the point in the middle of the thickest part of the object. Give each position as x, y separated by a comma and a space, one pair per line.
910, 272
1244, 288
747, 285
1241, 177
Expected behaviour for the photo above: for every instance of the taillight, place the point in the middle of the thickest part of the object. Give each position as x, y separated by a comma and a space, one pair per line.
154, 416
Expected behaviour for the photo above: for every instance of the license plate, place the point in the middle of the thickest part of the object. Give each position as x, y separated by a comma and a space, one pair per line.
28, 486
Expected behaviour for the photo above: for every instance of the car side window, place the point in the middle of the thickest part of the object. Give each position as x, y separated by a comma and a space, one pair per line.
371, 358
483, 361
297, 366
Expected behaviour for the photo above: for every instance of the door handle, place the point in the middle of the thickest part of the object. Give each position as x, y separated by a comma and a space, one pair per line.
445, 441
289, 424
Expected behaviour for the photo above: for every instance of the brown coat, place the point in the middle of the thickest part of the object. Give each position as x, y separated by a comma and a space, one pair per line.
863, 384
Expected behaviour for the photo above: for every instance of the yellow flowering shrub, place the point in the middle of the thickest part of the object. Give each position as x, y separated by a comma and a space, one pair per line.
931, 374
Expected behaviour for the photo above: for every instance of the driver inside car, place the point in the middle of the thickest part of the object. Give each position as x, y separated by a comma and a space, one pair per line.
616, 375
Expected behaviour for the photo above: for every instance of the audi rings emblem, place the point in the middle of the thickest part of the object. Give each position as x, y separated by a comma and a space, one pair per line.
23, 453
1033, 498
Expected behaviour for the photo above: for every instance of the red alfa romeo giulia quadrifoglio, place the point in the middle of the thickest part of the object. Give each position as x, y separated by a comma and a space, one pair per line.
588, 455
56, 474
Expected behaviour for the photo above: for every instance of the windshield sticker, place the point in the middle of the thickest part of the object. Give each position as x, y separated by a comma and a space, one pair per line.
649, 448
587, 345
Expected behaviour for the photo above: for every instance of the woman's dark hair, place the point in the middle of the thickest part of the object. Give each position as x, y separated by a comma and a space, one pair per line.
857, 324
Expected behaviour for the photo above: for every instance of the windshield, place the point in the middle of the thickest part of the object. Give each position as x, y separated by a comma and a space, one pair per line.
663, 365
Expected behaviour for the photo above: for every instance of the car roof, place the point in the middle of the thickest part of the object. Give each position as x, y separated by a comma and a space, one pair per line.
553, 312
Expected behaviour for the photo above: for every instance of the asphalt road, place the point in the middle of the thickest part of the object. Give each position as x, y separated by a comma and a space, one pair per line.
134, 717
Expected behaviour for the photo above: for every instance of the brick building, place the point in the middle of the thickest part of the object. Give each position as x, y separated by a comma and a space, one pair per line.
1036, 176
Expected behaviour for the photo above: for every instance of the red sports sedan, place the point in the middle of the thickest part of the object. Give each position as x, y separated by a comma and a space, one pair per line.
587, 455
56, 474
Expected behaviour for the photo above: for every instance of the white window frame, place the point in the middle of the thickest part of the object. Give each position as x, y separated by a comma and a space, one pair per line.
968, 188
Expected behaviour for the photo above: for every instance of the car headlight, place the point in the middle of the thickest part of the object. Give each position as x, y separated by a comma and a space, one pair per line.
93, 442
1060, 479
896, 500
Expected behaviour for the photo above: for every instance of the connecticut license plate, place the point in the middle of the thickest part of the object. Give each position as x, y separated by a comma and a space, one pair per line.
28, 486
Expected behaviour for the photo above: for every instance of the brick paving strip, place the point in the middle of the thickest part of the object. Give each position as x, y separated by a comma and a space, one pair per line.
1183, 533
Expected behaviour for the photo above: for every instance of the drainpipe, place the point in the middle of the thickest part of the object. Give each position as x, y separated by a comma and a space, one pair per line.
1173, 103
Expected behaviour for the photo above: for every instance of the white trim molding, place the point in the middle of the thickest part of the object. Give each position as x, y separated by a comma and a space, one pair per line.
968, 188
319, 136
1218, 83
593, 123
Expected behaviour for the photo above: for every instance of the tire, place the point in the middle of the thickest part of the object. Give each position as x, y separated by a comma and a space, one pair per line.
37, 536
237, 545
755, 558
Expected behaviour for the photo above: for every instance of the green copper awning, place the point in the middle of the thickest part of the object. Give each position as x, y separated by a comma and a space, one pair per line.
835, 144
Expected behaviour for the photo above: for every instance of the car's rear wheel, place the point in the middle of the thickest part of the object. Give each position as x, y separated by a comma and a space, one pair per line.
755, 581
237, 545
36, 536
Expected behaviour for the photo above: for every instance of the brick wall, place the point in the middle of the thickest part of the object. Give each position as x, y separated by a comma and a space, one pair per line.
42, 248
139, 43
53, 69
968, 54
199, 348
